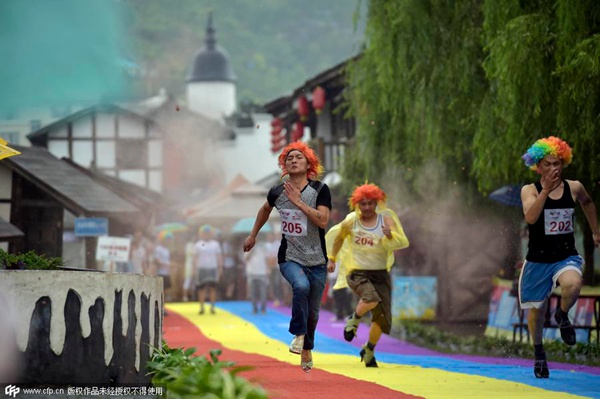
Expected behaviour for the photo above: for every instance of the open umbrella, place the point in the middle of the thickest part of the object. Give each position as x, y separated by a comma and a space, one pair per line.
245, 226
171, 227
508, 195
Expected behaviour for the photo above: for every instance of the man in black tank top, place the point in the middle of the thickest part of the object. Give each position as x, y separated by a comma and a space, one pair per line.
548, 206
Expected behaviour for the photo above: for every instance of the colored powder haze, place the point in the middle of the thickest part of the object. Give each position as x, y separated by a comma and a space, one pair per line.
60, 52
462, 245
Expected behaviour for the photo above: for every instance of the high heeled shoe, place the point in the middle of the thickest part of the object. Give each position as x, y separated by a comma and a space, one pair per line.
297, 344
306, 365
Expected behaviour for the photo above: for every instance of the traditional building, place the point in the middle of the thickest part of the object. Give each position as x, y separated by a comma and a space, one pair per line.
316, 109
42, 195
211, 91
211, 82
160, 145
166, 145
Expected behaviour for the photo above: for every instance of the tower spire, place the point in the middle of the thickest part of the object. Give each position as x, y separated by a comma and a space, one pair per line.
210, 33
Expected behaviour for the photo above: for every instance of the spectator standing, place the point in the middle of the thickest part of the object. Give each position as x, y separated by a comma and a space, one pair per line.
162, 257
208, 259
257, 274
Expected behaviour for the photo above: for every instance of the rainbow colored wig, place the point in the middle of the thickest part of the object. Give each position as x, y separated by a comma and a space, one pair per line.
314, 171
367, 191
165, 235
547, 146
205, 228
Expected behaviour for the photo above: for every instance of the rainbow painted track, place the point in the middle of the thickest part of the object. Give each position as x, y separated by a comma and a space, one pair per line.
405, 371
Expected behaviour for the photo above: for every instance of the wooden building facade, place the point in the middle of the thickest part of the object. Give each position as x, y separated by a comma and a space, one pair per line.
110, 139
330, 129
46, 191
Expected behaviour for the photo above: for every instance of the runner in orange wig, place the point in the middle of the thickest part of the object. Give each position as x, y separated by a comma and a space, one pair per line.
363, 246
367, 191
304, 204
315, 169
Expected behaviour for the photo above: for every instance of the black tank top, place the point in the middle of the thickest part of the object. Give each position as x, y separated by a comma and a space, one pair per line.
551, 237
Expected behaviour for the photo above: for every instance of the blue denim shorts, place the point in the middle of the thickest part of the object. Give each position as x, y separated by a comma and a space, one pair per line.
537, 280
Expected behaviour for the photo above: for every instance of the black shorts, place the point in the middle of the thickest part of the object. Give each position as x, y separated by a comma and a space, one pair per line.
207, 278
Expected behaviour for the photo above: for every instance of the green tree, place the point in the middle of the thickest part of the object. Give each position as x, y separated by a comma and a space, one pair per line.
472, 84
417, 87
543, 68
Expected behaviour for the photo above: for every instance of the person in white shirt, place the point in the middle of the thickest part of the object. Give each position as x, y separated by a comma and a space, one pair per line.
162, 257
139, 256
276, 285
257, 274
189, 285
229, 270
208, 259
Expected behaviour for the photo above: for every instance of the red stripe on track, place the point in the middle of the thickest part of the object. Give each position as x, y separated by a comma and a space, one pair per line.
281, 380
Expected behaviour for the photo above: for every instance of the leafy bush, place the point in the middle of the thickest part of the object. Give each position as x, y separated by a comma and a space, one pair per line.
28, 261
184, 375
432, 338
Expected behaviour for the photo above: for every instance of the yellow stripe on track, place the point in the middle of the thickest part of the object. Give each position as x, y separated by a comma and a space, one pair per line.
235, 333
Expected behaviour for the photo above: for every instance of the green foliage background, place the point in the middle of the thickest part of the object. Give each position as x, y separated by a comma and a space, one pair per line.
274, 45
472, 84
469, 85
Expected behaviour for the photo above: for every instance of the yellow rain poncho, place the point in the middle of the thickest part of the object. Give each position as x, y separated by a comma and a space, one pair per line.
6, 151
345, 258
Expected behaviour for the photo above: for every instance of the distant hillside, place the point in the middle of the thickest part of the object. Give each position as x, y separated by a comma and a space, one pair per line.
274, 45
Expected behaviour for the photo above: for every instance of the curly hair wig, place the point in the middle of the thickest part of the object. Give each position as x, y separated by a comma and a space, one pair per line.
547, 146
367, 191
315, 169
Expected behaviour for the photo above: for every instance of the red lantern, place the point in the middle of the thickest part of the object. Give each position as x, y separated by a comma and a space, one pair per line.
297, 132
277, 145
318, 99
275, 148
277, 136
303, 108
276, 140
276, 130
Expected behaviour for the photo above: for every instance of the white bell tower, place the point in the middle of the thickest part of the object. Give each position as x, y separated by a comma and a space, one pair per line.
211, 82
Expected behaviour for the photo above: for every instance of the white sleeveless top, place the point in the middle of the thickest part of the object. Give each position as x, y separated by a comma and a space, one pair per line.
367, 248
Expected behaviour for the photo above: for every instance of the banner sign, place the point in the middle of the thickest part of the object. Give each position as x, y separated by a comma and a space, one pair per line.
91, 227
113, 249
414, 297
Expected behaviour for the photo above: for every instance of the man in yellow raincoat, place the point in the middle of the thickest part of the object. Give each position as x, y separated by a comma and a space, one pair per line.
364, 244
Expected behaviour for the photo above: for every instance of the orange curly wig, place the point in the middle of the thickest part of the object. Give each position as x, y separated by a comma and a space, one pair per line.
314, 171
367, 191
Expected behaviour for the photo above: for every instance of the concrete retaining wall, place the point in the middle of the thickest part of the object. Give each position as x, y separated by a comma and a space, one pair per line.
81, 327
